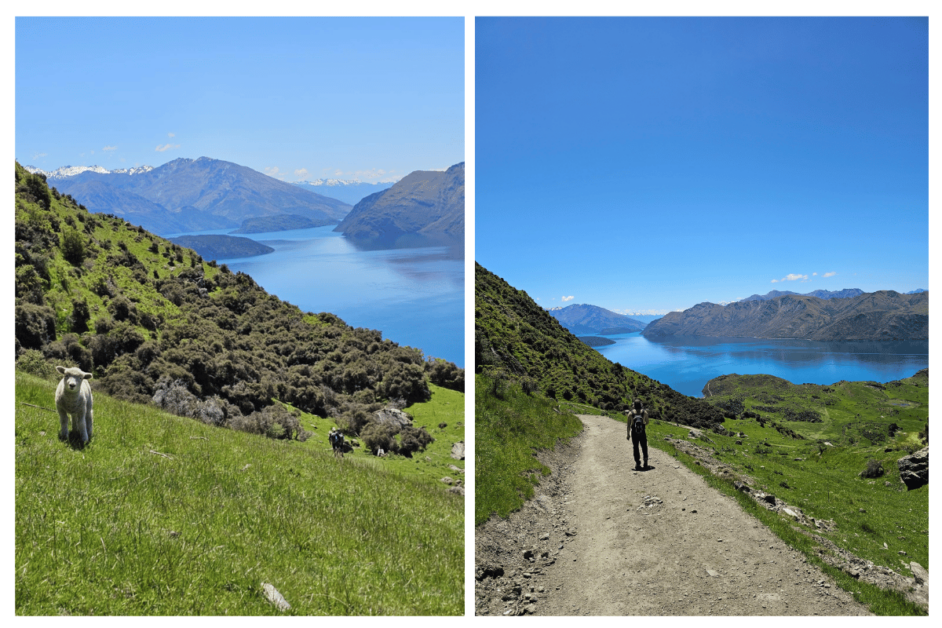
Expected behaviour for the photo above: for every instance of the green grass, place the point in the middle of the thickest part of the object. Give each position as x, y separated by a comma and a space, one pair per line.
826, 485
510, 426
162, 515
432, 464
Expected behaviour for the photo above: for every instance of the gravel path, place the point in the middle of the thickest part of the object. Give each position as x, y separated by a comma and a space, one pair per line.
609, 540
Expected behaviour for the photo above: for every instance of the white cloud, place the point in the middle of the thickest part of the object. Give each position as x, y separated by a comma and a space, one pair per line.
171, 134
110, 148
302, 173
829, 274
38, 156
166, 147
568, 299
275, 172
791, 277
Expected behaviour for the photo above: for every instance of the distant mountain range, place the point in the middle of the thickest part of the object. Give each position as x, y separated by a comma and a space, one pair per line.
350, 192
883, 315
586, 320
192, 195
426, 203
847, 293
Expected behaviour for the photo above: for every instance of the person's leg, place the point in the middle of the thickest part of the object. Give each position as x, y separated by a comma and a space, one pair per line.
644, 448
634, 446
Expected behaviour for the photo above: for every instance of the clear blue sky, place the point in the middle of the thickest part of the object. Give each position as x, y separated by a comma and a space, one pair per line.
367, 98
653, 164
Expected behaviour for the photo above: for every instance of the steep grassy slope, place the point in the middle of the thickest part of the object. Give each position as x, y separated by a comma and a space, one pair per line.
515, 338
509, 426
155, 322
165, 515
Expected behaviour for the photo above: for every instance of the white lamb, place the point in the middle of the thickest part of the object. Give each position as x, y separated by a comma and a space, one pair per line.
74, 397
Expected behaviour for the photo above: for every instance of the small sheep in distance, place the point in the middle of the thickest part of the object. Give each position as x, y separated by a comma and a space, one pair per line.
74, 397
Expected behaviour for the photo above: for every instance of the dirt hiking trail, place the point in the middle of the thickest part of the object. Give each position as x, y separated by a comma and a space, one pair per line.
614, 541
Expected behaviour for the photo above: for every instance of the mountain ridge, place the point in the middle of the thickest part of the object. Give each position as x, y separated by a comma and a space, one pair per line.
204, 193
427, 203
882, 315
584, 319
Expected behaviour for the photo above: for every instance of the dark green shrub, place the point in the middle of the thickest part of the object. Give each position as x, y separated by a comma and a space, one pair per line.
72, 244
78, 321
376, 436
69, 349
874, 469
32, 361
35, 325
412, 440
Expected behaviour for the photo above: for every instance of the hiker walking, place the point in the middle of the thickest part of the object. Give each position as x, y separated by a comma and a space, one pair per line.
637, 420
336, 442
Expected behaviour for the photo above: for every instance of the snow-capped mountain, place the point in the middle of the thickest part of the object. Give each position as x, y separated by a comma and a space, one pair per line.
71, 171
342, 182
350, 191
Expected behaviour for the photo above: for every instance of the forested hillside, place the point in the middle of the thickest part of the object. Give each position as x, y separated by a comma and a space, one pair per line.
156, 323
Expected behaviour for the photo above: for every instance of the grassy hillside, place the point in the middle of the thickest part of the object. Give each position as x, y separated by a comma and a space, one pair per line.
156, 323
509, 426
517, 339
815, 464
165, 515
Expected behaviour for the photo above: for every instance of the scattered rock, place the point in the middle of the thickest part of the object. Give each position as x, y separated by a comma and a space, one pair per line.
442, 425
457, 450
393, 417
914, 469
488, 570
273, 596
919, 573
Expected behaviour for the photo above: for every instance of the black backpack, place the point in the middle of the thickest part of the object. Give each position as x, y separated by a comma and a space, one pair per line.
637, 425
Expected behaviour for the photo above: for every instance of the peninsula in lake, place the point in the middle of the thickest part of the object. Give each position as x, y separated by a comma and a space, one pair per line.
213, 247
424, 203
882, 315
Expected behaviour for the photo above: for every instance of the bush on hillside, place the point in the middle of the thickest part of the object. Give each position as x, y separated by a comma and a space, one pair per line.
378, 436
72, 244
68, 352
874, 469
35, 325
413, 439
32, 361
445, 374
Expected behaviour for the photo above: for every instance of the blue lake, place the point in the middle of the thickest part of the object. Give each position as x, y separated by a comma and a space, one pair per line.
686, 364
415, 296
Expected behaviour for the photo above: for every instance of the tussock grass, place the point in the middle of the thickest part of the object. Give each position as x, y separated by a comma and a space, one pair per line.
162, 515
510, 426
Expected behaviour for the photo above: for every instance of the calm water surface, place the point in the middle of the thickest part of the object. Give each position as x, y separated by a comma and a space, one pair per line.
415, 296
686, 364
